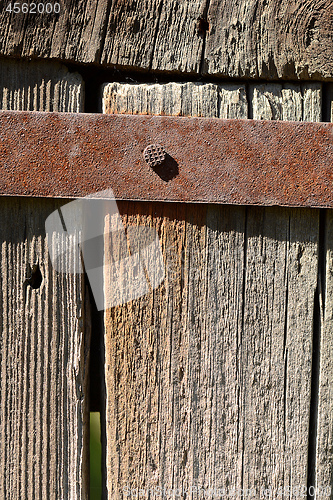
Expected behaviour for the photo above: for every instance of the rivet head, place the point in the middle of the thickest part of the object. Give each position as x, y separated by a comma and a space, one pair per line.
154, 155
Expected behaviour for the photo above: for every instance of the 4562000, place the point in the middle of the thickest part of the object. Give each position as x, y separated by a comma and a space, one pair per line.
33, 8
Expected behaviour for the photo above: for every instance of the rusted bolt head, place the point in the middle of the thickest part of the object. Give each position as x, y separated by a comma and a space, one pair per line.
154, 155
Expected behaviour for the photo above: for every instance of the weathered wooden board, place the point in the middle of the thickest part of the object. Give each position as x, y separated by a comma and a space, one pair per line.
282, 254
268, 39
294, 102
39, 85
208, 378
44, 332
281, 277
259, 39
323, 435
179, 99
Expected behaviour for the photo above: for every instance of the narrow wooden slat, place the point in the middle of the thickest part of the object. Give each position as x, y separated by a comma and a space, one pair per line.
324, 354
277, 101
39, 86
45, 332
281, 279
177, 99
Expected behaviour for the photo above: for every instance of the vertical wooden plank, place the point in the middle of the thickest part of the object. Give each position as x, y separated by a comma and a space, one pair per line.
44, 331
281, 279
178, 400
323, 478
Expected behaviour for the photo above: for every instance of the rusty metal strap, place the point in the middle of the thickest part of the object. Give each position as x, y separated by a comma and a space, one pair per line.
243, 162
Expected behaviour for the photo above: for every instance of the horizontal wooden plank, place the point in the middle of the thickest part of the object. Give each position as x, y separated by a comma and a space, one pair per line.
257, 39
179, 99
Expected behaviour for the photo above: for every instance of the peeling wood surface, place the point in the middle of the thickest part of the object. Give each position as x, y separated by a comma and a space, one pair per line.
44, 332
208, 377
256, 39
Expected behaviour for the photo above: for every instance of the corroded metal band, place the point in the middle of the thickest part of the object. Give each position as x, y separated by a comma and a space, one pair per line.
243, 162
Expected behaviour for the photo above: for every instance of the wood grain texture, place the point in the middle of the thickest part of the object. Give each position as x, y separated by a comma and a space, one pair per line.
172, 400
39, 85
280, 318
44, 332
324, 403
208, 377
178, 99
270, 40
277, 101
256, 39
76, 34
44, 363
281, 278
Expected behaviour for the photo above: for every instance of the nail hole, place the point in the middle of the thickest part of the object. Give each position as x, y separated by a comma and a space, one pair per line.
203, 25
35, 279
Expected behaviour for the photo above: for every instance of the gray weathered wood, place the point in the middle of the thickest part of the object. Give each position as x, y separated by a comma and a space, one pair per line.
281, 277
208, 378
278, 101
182, 99
39, 86
168, 396
259, 39
324, 435
278, 319
269, 40
44, 332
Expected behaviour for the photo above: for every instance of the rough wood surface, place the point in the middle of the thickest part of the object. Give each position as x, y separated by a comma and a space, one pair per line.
257, 38
277, 101
39, 86
44, 332
284, 265
179, 99
324, 435
208, 378
281, 277
268, 39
